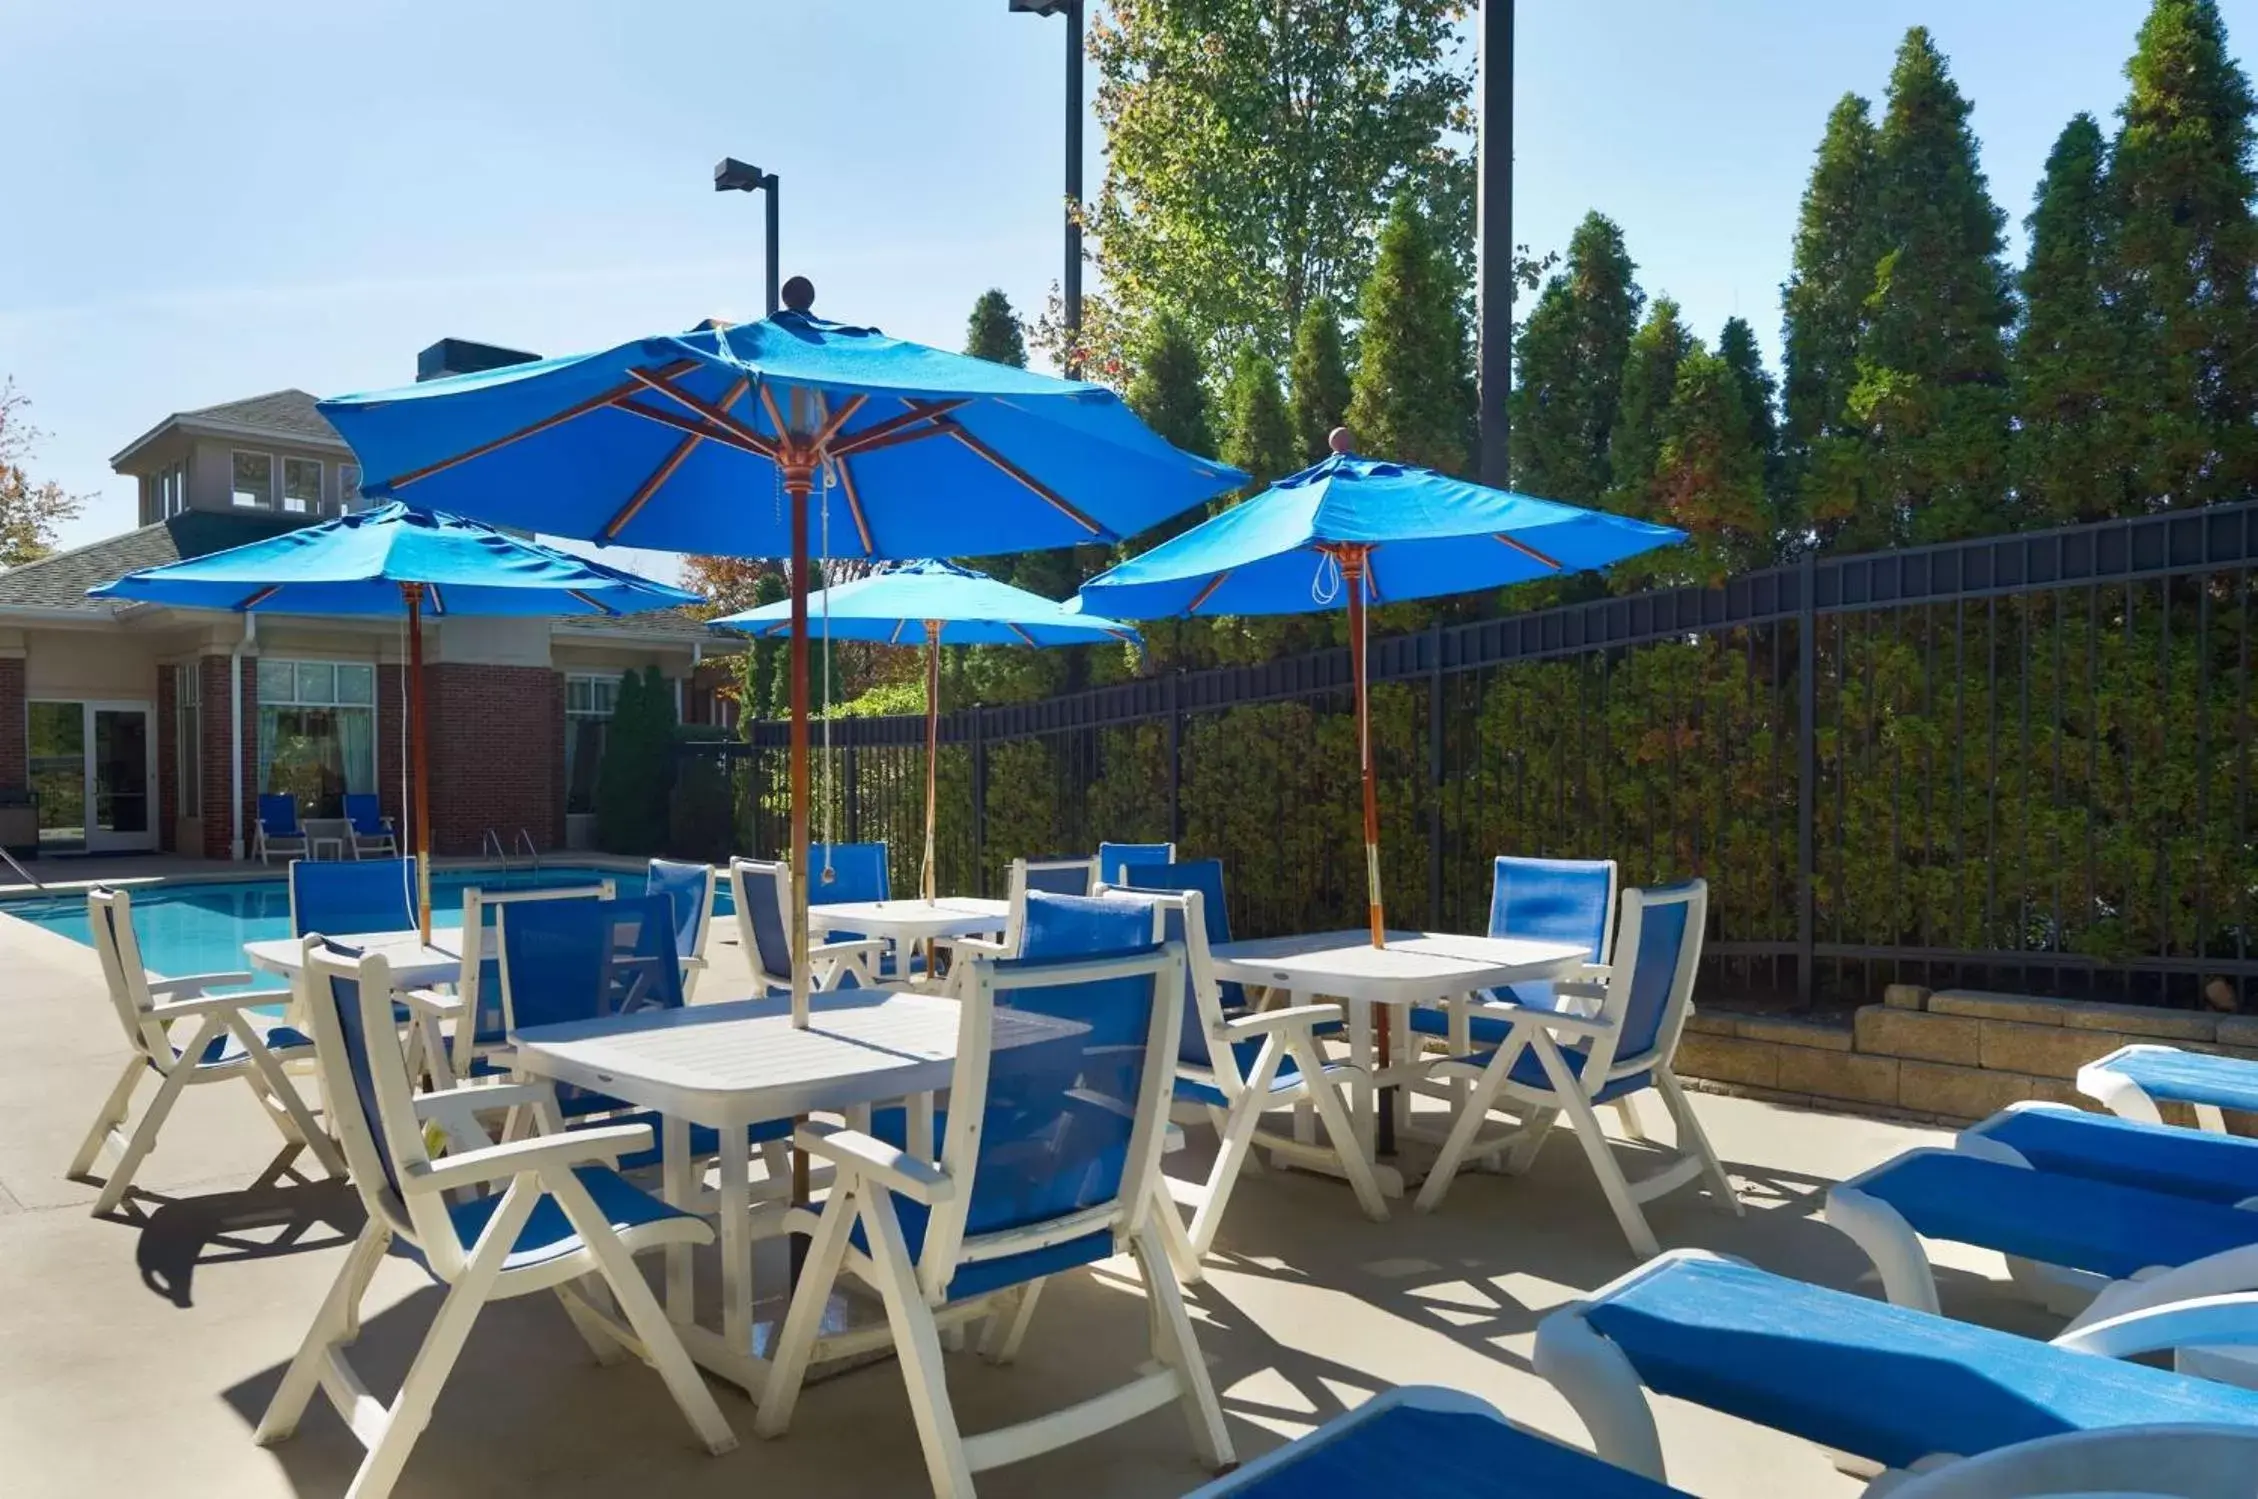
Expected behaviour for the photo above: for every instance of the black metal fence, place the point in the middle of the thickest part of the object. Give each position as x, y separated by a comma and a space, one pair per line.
2020, 762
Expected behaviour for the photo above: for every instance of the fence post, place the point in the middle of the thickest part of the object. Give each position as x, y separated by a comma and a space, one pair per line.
979, 800
1435, 775
1175, 756
1807, 774
850, 793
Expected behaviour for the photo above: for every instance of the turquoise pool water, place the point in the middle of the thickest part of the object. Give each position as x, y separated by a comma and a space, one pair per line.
196, 927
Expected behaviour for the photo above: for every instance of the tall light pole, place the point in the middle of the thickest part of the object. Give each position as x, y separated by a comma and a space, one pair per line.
1493, 235
733, 176
1070, 284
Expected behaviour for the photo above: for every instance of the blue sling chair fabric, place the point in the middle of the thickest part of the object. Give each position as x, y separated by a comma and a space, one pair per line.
1056, 1126
766, 896
1878, 1381
352, 898
1114, 859
566, 960
1060, 874
684, 886
1547, 900
2170, 1075
2130, 1152
859, 872
278, 815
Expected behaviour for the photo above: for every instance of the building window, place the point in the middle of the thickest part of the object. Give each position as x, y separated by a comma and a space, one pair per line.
348, 488
188, 740
254, 481
317, 731
301, 486
588, 716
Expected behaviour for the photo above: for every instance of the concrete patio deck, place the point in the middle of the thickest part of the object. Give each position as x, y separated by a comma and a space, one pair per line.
138, 1352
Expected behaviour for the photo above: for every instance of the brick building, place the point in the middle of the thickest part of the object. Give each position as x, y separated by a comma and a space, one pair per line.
142, 727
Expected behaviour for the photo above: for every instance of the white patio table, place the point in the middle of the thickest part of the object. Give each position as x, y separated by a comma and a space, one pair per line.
1414, 968
905, 923
416, 966
732, 1065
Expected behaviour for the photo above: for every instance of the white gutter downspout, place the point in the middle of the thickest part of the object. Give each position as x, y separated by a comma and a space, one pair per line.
235, 727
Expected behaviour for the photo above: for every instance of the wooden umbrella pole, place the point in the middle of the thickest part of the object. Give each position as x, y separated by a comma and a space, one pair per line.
932, 746
419, 746
1352, 574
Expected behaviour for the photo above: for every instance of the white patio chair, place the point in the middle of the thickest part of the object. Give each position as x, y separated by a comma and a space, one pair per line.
1073, 877
1624, 1048
690, 887
1055, 1129
1236, 1066
762, 894
479, 1043
229, 1041
550, 1215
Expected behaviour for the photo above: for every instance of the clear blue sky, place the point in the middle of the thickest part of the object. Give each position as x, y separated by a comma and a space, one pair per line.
201, 207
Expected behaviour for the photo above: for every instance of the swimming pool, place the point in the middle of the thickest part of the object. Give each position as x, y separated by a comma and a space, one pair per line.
201, 926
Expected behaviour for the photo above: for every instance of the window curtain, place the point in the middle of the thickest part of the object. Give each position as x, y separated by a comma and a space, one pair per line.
269, 726
356, 736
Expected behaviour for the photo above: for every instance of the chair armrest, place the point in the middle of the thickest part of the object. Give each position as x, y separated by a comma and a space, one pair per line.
694, 963
585, 1147
1292, 1017
199, 982
167, 1010
2230, 1320
431, 1002
895, 1170
499, 1093
979, 947
852, 947
1552, 1020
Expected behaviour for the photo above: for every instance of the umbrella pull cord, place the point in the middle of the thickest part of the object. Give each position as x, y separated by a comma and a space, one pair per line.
830, 771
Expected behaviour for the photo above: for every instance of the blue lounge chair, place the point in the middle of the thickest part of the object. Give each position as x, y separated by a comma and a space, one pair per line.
1551, 900
690, 888
1554, 1062
1055, 1128
2155, 1157
2074, 1241
1114, 859
1421, 1442
2135, 1080
566, 960
279, 832
1886, 1385
367, 829
548, 1214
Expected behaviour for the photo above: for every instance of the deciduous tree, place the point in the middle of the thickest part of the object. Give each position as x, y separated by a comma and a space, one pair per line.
30, 512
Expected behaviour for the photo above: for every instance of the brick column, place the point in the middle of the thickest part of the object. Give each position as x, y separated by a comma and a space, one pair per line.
218, 743
168, 761
15, 725
497, 752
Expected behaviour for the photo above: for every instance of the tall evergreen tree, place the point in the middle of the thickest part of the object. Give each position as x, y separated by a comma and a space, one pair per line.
1413, 395
1650, 378
1167, 390
1823, 315
1568, 379
1932, 367
1258, 434
2186, 253
2071, 460
1708, 477
993, 332
1317, 381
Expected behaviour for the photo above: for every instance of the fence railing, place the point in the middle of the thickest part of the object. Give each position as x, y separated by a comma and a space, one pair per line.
2019, 761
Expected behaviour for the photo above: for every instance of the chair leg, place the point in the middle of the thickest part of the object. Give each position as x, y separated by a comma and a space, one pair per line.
1627, 1114
581, 1300
1173, 1234
1598, 1151
308, 1133
1329, 1099
335, 1325
145, 1133
661, 1344
1691, 1137
795, 1344
114, 1109
1176, 1345
918, 1342
1006, 1330
1473, 1113
1536, 1128
1231, 1154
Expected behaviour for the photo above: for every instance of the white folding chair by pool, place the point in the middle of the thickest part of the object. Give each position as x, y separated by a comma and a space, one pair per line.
762, 894
551, 1214
690, 887
1074, 877
1624, 1048
230, 1041
479, 1042
1055, 1127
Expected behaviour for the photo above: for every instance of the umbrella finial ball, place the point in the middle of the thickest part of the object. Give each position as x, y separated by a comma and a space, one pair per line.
1339, 440
799, 294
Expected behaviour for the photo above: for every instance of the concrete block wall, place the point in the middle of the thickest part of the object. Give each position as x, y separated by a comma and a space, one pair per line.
1955, 1055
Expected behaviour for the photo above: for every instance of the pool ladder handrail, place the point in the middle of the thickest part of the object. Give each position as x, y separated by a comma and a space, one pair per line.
26, 875
493, 840
532, 851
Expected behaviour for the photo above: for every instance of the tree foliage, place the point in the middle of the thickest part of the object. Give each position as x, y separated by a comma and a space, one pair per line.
1650, 379
1736, 345
1317, 380
2071, 458
637, 773
1568, 379
993, 332
2186, 253
1253, 148
1412, 398
29, 513
1708, 477
1258, 432
1823, 305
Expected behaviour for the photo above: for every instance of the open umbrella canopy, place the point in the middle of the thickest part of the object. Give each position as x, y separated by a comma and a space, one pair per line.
1421, 534
895, 606
673, 443
355, 566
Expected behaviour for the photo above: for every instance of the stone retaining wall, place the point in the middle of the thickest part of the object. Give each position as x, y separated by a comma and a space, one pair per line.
1955, 1055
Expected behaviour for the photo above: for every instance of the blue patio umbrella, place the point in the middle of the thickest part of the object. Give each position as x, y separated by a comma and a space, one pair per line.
1364, 531
940, 604
741, 440
384, 560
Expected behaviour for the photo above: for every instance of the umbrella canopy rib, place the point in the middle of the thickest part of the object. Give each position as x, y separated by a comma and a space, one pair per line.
611, 397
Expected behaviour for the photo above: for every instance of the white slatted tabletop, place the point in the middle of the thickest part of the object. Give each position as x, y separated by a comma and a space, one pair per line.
414, 964
1414, 968
907, 921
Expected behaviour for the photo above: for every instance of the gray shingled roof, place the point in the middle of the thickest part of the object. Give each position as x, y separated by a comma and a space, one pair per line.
61, 581
290, 411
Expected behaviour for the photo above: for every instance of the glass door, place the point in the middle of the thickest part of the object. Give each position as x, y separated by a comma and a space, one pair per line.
58, 774
121, 772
